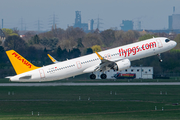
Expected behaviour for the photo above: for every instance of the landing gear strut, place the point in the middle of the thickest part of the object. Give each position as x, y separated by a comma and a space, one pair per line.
103, 76
93, 76
159, 56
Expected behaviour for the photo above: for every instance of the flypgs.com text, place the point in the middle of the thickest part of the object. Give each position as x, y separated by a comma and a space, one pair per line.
134, 50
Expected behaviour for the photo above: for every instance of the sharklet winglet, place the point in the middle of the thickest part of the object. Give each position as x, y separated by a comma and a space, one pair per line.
100, 57
52, 59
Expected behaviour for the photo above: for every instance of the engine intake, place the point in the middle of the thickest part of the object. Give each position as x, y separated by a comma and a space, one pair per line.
122, 65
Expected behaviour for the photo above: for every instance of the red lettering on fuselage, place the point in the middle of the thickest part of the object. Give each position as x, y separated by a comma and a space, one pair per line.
22, 60
134, 50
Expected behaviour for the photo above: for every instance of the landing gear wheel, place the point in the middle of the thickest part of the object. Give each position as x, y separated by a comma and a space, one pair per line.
159, 56
160, 60
103, 76
93, 76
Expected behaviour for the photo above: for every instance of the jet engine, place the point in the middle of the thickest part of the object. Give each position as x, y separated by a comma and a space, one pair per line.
122, 64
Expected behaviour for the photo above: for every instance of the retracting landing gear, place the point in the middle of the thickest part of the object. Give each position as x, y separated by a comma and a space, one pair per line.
93, 76
103, 76
159, 56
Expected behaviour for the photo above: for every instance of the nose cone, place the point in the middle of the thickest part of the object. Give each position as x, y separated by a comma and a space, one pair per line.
174, 43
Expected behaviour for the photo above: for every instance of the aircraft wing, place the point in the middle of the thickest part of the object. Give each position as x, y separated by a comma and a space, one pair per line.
105, 64
52, 59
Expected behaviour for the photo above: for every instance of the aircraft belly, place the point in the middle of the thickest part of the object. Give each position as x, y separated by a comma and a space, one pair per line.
61, 74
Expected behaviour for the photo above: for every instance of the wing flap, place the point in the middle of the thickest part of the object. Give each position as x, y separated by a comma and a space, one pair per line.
105, 64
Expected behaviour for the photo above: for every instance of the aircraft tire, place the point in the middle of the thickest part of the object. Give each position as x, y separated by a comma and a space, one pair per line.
103, 76
93, 76
160, 60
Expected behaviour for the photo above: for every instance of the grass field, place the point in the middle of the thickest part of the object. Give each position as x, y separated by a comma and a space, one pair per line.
85, 78
90, 103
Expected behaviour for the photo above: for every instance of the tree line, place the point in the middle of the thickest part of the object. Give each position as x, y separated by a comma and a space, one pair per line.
74, 42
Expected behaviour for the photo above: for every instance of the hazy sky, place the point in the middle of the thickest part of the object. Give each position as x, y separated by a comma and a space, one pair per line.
152, 13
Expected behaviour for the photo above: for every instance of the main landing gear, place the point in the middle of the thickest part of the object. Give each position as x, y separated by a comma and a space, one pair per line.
103, 76
159, 56
93, 76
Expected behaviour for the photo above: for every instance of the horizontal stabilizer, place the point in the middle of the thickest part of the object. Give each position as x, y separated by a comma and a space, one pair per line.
8, 77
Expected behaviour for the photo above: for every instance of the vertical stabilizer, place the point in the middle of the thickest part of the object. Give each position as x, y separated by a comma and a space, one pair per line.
19, 63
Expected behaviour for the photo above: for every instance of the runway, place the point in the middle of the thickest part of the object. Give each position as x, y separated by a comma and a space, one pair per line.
88, 84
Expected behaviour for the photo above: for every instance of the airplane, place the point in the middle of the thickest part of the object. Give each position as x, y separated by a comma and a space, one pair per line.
118, 59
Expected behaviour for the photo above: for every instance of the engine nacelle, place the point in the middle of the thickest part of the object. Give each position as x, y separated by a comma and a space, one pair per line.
122, 65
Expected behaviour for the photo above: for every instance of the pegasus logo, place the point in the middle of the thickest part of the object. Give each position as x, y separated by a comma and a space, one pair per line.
22, 60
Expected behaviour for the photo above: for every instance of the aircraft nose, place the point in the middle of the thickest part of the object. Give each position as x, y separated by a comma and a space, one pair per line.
174, 43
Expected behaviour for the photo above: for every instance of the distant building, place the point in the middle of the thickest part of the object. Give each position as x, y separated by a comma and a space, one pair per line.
140, 73
78, 19
85, 26
174, 21
173, 25
90, 24
2, 36
127, 25
137, 25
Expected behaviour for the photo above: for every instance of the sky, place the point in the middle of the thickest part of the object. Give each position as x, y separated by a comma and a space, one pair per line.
153, 14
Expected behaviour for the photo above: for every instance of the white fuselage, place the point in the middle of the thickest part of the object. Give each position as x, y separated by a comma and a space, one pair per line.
88, 63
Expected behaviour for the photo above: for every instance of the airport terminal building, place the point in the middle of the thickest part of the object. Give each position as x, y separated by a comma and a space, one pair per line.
131, 73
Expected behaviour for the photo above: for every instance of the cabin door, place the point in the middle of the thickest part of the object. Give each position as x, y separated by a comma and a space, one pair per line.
42, 75
159, 43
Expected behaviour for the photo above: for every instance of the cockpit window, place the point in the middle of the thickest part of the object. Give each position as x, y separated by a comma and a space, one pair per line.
167, 40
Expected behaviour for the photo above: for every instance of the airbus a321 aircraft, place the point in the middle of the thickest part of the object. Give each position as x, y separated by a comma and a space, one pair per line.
118, 59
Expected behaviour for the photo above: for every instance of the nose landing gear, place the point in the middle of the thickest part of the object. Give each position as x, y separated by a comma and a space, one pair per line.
159, 56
